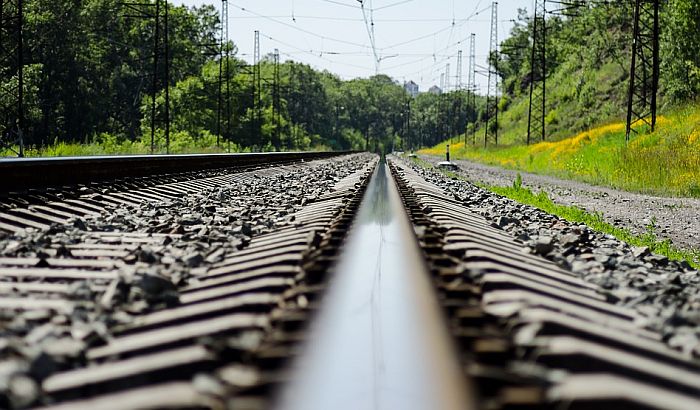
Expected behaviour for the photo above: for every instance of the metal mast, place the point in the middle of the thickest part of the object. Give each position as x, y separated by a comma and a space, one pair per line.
161, 50
458, 79
276, 106
291, 103
154, 84
223, 59
644, 66
257, 86
166, 46
447, 77
538, 74
471, 83
492, 92
11, 67
227, 71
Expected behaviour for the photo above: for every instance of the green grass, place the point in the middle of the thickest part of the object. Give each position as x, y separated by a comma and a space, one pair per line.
105, 144
666, 162
595, 221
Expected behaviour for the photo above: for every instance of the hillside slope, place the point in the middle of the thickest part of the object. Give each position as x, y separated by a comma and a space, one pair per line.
588, 63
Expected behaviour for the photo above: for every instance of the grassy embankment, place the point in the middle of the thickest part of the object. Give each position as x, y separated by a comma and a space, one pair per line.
595, 221
105, 144
666, 162
180, 143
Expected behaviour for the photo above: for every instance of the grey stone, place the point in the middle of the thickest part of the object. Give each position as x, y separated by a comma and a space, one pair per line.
64, 347
193, 259
23, 391
155, 284
543, 245
639, 251
569, 239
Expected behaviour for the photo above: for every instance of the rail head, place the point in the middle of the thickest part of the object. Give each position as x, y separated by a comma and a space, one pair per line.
20, 174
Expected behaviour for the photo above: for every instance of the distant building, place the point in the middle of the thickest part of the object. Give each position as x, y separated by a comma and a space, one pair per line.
435, 90
411, 88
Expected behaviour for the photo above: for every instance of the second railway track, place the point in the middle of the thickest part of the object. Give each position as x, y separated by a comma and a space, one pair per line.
218, 286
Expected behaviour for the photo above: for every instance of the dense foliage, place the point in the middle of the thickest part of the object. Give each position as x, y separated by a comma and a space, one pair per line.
88, 68
588, 58
88, 78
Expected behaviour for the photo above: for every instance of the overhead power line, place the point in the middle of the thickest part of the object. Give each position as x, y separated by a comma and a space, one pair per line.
340, 3
312, 53
360, 20
369, 25
372, 48
337, 40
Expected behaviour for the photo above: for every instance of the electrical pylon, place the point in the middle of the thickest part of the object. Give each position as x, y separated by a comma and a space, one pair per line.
257, 88
447, 77
471, 83
222, 112
166, 46
276, 105
492, 91
12, 69
644, 66
537, 110
458, 76
158, 12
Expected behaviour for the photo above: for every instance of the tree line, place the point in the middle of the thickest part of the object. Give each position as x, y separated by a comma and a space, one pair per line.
88, 76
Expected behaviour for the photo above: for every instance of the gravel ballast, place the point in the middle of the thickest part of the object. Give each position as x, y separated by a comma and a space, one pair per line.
666, 293
675, 218
164, 245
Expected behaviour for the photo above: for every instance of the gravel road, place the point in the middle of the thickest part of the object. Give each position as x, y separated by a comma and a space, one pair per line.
676, 218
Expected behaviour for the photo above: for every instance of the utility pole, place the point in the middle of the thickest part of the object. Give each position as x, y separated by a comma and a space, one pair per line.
158, 12
257, 87
167, 77
223, 59
408, 122
492, 92
537, 110
471, 85
154, 85
291, 104
456, 114
276, 106
227, 134
447, 77
644, 66
12, 65
458, 79
458, 87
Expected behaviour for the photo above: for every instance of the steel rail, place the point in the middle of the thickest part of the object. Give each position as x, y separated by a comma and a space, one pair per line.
380, 340
533, 334
236, 292
29, 173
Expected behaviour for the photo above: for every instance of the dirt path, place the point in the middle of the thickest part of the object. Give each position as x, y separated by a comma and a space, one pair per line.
676, 218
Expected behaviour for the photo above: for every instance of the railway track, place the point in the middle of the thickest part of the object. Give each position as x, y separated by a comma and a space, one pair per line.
298, 281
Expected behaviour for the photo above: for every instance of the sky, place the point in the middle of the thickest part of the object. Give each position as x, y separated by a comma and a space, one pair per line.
414, 39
